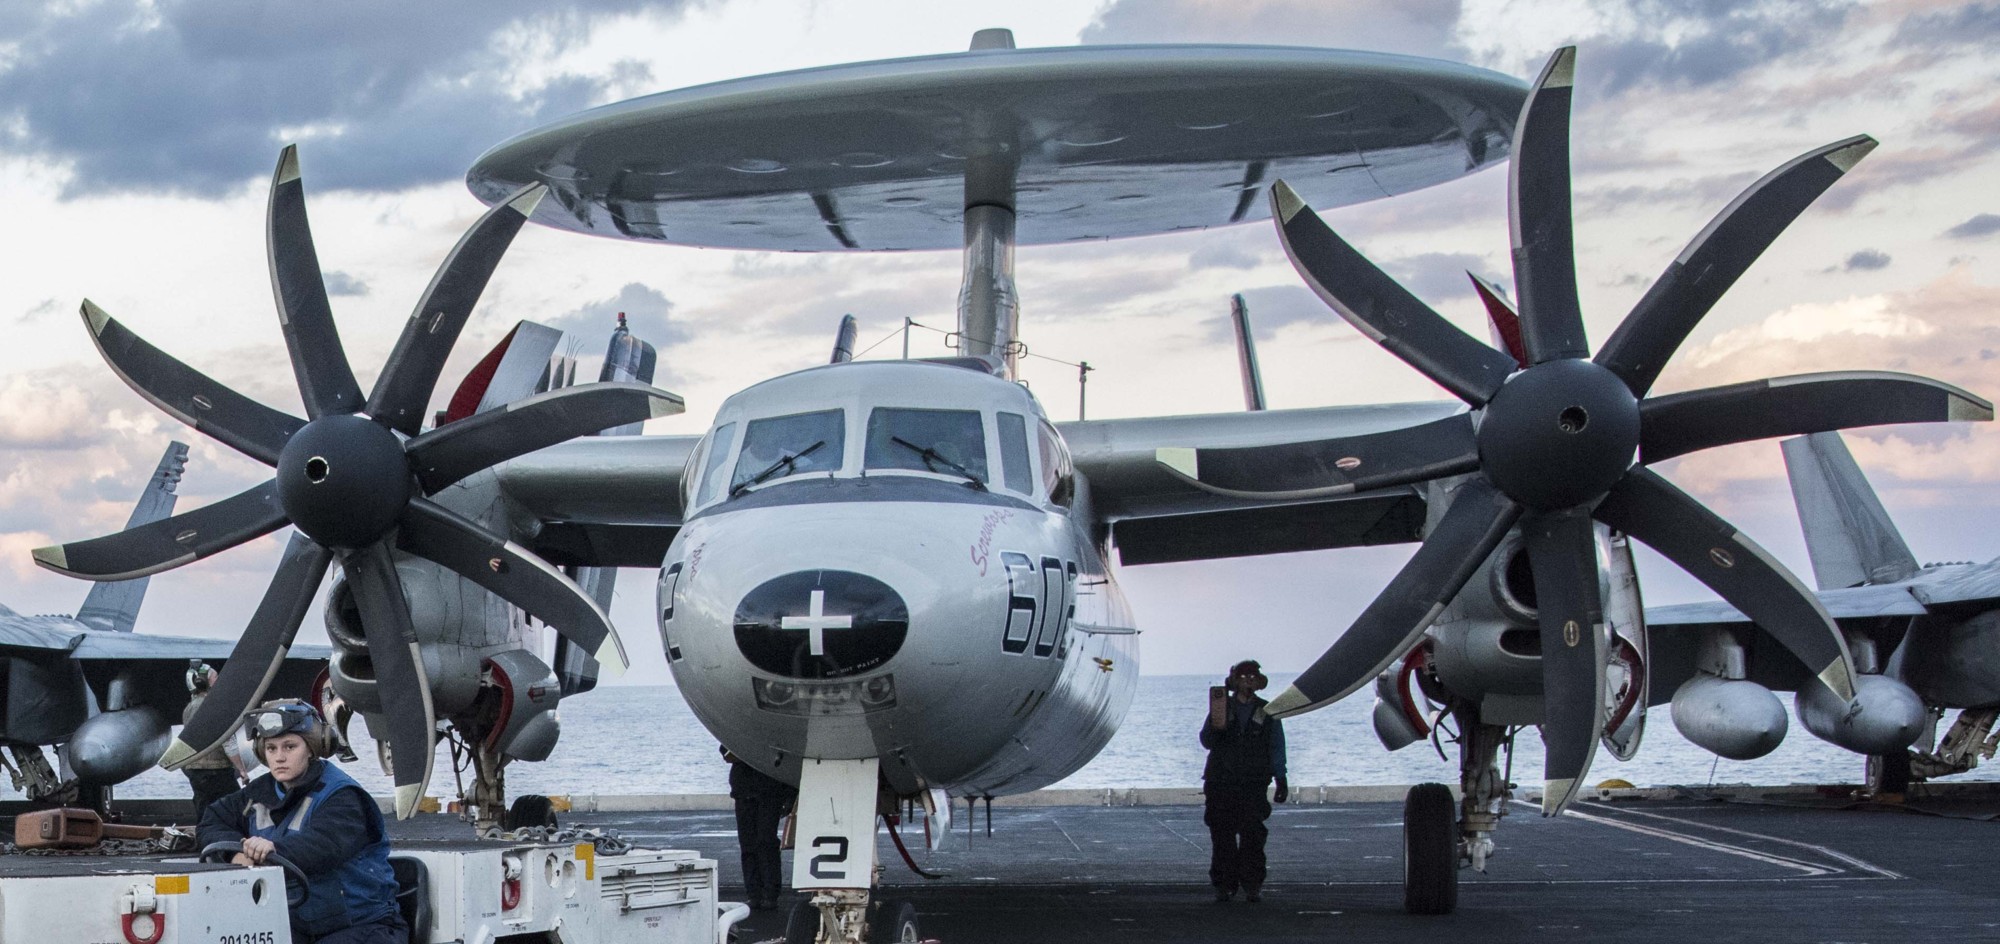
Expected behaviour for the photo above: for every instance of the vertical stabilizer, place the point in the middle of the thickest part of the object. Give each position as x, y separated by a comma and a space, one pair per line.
1246, 354
630, 360
843, 341
1848, 534
114, 605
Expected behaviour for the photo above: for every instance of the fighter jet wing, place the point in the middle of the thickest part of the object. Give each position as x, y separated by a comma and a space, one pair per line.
1151, 479
92, 644
1848, 603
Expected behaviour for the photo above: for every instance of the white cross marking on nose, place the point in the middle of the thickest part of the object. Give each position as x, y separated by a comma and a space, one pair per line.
816, 623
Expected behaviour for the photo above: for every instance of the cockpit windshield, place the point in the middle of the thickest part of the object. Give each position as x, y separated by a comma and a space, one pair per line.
948, 442
789, 445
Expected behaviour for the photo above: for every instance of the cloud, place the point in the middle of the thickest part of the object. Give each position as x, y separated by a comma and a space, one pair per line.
1942, 330
1866, 260
46, 411
1437, 276
1984, 224
196, 96
1410, 27
1273, 307
1971, 24
647, 313
1648, 45
341, 283
1223, 255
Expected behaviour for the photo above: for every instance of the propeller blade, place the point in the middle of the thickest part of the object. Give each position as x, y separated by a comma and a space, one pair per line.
1382, 309
258, 655
515, 575
1562, 550
170, 542
189, 395
455, 450
1331, 466
1471, 528
1681, 423
1539, 217
1650, 508
1684, 293
399, 671
403, 391
326, 383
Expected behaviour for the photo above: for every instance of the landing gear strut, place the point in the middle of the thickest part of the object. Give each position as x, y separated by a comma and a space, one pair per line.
833, 859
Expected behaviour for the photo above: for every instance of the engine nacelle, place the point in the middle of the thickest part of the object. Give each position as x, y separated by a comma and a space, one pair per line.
115, 746
525, 726
1734, 718
1884, 718
458, 623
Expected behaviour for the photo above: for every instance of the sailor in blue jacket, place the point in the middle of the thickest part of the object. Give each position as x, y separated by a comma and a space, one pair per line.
311, 813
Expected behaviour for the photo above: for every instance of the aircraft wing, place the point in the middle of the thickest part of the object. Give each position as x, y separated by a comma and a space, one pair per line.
600, 501
1848, 603
1158, 515
1880, 612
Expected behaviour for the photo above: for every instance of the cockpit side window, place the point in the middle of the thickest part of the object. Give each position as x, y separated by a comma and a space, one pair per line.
1057, 476
1014, 466
779, 446
948, 442
711, 466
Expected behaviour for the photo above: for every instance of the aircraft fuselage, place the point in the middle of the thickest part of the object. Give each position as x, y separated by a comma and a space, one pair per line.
912, 578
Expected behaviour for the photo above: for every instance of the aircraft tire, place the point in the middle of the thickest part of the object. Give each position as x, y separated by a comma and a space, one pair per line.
531, 809
893, 922
1430, 850
803, 923
1889, 773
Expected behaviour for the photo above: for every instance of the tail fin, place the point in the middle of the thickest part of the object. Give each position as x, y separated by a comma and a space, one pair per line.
1246, 354
843, 341
114, 605
1848, 535
626, 359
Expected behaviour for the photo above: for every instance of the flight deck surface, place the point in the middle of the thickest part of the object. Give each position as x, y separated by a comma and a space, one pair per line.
1636, 871
1787, 868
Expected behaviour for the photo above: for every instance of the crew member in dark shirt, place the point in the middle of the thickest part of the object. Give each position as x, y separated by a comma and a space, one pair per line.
761, 801
1246, 751
315, 816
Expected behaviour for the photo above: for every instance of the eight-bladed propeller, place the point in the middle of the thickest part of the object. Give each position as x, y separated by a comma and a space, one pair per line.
354, 479
1554, 442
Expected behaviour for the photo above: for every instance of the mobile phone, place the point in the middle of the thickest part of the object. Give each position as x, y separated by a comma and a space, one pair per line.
1218, 706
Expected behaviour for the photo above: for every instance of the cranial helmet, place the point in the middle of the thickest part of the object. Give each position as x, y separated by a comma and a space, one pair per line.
1249, 669
199, 676
289, 716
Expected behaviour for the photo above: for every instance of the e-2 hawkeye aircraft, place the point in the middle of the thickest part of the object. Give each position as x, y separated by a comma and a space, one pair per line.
898, 573
103, 695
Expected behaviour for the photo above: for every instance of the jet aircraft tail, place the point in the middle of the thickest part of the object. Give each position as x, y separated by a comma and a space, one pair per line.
114, 604
1849, 536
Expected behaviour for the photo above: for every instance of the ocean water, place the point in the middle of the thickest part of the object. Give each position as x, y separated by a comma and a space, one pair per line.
643, 739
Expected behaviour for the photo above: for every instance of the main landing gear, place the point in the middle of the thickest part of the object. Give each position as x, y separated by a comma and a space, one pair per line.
1440, 837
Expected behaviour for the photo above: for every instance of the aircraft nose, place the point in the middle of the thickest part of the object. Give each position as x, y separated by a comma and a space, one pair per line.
821, 624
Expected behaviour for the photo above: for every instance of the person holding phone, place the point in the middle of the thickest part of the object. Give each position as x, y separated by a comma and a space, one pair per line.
1246, 752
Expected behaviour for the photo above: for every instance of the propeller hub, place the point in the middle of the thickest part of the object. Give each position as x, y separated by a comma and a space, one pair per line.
1559, 434
343, 480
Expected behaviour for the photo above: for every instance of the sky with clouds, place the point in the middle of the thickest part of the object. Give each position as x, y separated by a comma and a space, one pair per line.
137, 138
